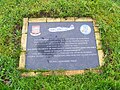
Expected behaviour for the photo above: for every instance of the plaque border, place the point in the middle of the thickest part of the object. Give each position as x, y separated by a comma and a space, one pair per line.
57, 72
23, 44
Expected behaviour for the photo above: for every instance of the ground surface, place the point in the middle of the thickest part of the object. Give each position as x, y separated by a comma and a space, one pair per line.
107, 14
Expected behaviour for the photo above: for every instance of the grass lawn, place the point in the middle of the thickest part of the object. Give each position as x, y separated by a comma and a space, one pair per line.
107, 14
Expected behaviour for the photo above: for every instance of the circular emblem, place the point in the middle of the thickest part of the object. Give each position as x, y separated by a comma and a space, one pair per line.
85, 29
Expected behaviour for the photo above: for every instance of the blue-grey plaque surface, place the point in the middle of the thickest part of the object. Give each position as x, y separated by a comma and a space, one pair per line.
61, 46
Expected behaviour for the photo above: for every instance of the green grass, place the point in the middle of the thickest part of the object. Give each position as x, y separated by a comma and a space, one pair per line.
107, 14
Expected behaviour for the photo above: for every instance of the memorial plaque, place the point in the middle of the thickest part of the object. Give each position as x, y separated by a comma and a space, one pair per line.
61, 46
